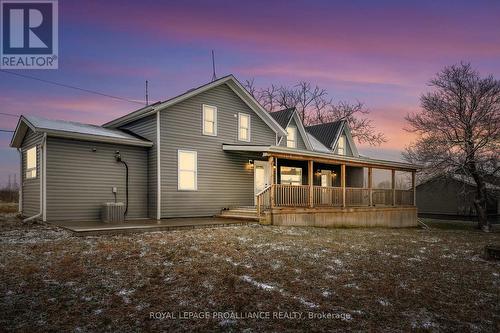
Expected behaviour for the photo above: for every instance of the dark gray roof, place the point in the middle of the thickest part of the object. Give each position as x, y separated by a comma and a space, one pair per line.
283, 117
326, 133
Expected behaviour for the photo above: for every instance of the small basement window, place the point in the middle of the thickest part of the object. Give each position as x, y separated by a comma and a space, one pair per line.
31, 162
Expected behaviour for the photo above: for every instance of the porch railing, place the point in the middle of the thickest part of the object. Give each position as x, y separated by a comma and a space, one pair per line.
263, 200
404, 197
327, 196
291, 195
382, 197
280, 195
357, 196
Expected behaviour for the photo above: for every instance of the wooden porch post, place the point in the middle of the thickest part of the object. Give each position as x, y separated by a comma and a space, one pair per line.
271, 167
310, 182
342, 183
370, 185
393, 187
413, 182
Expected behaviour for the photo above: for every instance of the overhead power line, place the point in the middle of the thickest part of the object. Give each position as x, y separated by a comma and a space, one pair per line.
71, 87
9, 114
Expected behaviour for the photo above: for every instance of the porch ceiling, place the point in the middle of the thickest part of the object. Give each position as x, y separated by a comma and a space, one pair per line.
298, 154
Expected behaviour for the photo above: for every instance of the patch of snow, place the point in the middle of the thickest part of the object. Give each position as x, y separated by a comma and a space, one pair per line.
260, 285
326, 293
86, 298
307, 303
98, 311
227, 322
383, 302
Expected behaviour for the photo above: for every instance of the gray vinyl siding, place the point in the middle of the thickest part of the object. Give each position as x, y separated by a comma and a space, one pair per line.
300, 141
224, 178
80, 180
146, 128
31, 187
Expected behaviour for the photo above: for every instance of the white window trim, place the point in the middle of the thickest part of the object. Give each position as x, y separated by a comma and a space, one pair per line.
203, 120
342, 139
195, 170
36, 164
295, 137
249, 126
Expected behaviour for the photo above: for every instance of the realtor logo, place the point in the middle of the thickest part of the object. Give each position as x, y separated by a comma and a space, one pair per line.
29, 31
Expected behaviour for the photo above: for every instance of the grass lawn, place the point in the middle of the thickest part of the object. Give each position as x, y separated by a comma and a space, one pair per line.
364, 279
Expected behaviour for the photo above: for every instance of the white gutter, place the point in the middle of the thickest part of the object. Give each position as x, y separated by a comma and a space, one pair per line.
158, 168
42, 183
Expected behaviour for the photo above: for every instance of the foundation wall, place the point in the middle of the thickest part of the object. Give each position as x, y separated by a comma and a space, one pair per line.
391, 217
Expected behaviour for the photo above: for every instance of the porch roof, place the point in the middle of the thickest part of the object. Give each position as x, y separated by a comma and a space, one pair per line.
299, 154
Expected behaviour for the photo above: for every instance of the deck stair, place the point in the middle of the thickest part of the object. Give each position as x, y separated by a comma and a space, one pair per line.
241, 213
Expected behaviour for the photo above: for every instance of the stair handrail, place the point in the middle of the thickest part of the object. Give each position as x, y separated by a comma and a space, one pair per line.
259, 198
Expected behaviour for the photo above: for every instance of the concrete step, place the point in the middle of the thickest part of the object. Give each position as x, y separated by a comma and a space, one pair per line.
239, 217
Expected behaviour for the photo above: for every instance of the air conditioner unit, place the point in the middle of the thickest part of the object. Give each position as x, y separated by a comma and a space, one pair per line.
113, 212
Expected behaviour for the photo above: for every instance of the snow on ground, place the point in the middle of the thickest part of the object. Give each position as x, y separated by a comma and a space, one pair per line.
398, 280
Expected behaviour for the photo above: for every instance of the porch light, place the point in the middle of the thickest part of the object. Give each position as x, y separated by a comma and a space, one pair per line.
250, 162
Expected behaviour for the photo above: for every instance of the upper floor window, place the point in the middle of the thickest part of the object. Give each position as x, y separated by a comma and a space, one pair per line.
31, 162
243, 127
209, 120
187, 170
341, 145
291, 137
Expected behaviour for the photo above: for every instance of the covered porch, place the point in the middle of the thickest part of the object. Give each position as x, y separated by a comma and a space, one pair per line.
308, 188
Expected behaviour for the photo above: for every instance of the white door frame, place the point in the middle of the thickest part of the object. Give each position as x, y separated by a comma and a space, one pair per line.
267, 176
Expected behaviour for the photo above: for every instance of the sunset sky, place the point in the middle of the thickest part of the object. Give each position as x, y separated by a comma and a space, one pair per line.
382, 53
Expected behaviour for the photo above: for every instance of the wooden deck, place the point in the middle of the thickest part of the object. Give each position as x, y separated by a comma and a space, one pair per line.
85, 228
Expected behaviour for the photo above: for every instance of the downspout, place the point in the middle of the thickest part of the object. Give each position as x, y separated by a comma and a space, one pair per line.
20, 193
42, 182
158, 168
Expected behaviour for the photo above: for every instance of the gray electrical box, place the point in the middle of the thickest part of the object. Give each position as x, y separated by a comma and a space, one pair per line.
113, 212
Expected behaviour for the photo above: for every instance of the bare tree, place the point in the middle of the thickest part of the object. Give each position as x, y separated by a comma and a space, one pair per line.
459, 129
315, 107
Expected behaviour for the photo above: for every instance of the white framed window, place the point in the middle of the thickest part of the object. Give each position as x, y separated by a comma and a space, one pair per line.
31, 163
209, 120
187, 170
291, 137
341, 145
290, 175
243, 127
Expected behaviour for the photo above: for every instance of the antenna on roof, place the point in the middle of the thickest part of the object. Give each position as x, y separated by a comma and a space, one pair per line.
147, 95
214, 77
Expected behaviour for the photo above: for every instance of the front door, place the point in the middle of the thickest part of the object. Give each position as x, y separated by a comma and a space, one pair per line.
326, 181
261, 176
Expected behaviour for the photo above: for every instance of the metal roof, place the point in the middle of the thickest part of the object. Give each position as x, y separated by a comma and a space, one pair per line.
266, 150
70, 129
283, 117
326, 133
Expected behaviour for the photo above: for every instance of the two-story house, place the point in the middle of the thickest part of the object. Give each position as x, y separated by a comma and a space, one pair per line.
210, 151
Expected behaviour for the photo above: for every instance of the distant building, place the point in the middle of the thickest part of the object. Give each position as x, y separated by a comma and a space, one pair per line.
454, 196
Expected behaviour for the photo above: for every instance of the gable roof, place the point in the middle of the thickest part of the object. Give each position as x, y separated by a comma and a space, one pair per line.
283, 117
229, 80
327, 133
73, 130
